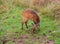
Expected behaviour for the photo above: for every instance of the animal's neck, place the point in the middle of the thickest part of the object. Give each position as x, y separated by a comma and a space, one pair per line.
37, 22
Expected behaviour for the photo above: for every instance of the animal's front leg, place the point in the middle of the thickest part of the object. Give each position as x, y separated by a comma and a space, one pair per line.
38, 26
22, 24
34, 28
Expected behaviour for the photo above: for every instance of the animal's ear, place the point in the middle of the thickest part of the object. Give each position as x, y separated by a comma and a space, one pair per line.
38, 24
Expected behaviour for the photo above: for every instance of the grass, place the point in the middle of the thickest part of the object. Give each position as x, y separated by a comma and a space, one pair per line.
10, 27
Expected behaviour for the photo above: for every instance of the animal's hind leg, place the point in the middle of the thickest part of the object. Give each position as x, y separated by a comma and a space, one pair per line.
26, 24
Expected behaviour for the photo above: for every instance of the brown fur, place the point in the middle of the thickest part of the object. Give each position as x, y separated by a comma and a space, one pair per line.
30, 14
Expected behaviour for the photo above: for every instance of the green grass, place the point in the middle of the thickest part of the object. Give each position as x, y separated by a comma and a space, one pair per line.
10, 23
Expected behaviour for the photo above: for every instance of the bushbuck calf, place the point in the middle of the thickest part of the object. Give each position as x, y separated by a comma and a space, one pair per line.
30, 14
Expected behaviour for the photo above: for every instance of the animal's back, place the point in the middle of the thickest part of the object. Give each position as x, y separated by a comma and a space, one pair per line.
30, 14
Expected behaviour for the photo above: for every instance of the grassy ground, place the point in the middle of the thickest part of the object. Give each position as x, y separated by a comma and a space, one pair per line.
10, 29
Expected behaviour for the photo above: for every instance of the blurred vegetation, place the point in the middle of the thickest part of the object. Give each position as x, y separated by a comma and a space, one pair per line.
10, 19
48, 8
